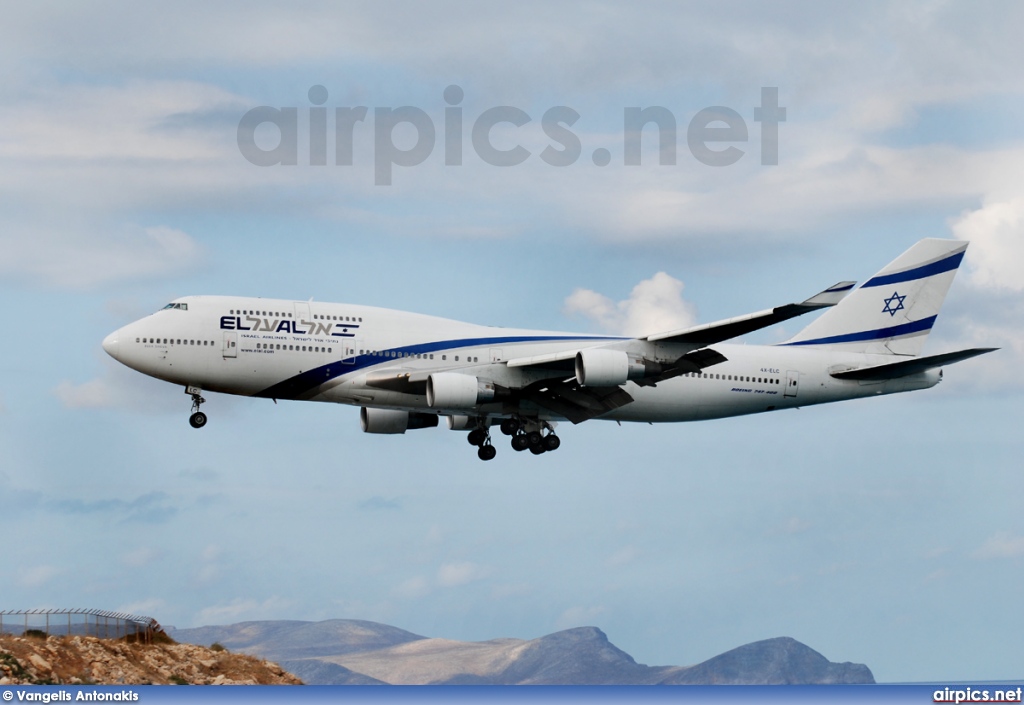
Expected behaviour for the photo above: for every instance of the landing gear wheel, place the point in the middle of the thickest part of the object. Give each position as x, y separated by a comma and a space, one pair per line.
509, 426
477, 437
198, 418
551, 442
487, 452
519, 442
537, 449
534, 439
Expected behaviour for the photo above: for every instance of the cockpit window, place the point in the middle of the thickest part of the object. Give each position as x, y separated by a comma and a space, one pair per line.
181, 307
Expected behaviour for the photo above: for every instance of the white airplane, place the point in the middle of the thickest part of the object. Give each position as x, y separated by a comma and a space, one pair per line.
405, 370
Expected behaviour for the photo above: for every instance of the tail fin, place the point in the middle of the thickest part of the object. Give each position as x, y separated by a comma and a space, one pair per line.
893, 312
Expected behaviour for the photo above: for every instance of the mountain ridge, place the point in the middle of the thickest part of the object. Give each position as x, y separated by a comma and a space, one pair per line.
359, 652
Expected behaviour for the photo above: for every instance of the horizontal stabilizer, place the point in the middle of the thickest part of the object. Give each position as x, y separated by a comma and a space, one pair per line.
711, 333
904, 368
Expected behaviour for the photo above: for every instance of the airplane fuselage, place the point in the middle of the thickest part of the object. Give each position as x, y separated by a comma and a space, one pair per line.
359, 355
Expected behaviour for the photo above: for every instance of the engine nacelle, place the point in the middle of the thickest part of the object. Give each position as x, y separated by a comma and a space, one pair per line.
451, 390
393, 420
459, 422
598, 367
463, 422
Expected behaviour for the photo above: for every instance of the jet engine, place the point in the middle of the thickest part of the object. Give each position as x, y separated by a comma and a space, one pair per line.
460, 422
393, 420
598, 367
451, 390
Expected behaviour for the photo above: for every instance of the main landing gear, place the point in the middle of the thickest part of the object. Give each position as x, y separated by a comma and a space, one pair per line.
536, 436
533, 435
198, 418
482, 437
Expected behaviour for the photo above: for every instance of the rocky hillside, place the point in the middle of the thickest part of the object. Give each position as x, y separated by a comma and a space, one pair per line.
286, 639
779, 661
349, 652
83, 659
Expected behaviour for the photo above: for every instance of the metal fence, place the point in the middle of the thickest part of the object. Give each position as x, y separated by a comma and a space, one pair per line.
85, 622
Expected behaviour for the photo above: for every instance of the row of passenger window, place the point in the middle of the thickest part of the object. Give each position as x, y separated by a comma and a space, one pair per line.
173, 341
415, 356
279, 314
297, 348
733, 378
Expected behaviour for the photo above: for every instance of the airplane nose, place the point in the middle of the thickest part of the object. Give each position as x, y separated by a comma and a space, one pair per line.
110, 345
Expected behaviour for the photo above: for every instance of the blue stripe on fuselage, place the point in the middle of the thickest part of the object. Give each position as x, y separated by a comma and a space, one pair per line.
294, 387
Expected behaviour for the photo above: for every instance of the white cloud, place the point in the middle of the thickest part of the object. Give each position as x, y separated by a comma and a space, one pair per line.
104, 150
140, 120
1002, 544
120, 388
996, 233
79, 259
94, 394
451, 574
243, 609
142, 556
90, 153
207, 574
210, 562
412, 588
913, 50
459, 573
654, 305
109, 149
998, 371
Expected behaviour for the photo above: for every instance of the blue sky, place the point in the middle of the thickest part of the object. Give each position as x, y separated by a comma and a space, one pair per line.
887, 531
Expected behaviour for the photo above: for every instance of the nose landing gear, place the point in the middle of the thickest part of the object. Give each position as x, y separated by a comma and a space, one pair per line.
198, 418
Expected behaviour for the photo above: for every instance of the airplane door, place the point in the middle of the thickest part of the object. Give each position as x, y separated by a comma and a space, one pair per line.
351, 351
302, 313
792, 383
230, 348
496, 355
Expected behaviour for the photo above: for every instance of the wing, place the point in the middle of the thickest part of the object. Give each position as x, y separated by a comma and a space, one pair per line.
576, 402
561, 392
573, 401
719, 331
